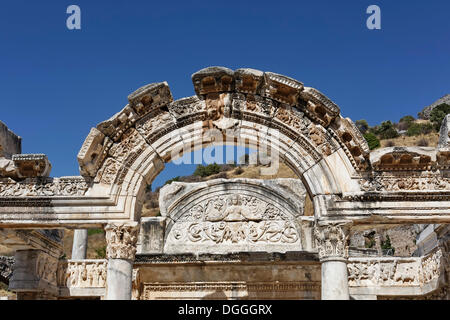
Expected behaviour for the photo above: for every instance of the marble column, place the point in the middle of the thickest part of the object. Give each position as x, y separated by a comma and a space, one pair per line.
332, 244
120, 251
80, 243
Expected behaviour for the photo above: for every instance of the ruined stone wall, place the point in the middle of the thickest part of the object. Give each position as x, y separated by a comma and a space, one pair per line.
10, 143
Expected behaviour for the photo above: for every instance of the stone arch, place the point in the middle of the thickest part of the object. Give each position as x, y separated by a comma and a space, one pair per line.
125, 153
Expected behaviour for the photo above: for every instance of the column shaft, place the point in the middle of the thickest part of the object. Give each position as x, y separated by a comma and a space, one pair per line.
119, 280
80, 243
334, 280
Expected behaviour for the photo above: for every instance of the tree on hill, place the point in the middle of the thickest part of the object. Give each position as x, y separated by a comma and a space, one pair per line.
386, 130
362, 125
438, 114
416, 129
206, 171
405, 122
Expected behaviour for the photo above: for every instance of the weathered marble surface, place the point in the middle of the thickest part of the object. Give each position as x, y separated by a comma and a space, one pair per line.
220, 215
6, 264
10, 143
253, 275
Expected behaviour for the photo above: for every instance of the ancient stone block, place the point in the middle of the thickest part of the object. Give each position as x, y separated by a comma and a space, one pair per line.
119, 123
10, 143
318, 106
32, 165
403, 158
150, 97
281, 88
151, 236
34, 271
248, 80
213, 80
93, 152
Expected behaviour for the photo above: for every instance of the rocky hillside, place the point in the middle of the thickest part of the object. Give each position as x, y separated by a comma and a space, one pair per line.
426, 112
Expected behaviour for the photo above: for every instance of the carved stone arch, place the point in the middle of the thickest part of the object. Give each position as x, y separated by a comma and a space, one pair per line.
125, 153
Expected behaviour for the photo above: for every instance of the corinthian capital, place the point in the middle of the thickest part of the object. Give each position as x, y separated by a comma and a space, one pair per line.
332, 240
121, 241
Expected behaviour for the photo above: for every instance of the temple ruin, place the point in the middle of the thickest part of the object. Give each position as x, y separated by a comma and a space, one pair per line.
226, 238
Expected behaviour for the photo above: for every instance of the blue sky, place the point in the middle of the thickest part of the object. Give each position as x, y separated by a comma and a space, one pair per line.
55, 84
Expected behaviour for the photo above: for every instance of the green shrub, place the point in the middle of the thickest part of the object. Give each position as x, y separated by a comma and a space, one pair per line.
407, 119
172, 180
95, 231
405, 122
206, 171
438, 114
372, 140
386, 245
101, 252
413, 130
386, 130
419, 128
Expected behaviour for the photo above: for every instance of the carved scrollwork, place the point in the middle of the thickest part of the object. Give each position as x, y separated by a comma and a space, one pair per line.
235, 219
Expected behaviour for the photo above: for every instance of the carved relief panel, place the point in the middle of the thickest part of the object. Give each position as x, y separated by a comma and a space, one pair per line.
232, 220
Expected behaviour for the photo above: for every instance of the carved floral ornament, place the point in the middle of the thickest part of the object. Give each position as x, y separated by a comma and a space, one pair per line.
332, 240
121, 241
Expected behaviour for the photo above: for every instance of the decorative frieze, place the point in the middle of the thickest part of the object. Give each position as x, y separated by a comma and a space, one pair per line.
239, 214
119, 123
395, 271
235, 219
397, 181
121, 241
44, 187
82, 274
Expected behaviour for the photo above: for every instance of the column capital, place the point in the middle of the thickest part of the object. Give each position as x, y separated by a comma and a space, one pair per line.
331, 238
121, 240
